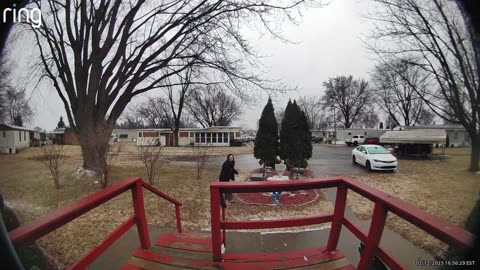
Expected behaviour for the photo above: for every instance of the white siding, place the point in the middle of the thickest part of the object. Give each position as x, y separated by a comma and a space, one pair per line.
12, 141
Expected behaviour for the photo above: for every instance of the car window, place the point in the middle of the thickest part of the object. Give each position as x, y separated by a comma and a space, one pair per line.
377, 150
359, 148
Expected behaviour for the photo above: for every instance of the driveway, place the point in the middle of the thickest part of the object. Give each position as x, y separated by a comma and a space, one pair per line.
326, 160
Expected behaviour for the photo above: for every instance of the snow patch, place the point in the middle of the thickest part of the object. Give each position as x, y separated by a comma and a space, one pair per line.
80, 172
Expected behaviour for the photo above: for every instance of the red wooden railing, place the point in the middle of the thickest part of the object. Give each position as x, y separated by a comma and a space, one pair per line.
28, 233
451, 234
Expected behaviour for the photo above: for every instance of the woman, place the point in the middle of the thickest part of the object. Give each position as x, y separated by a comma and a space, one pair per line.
228, 174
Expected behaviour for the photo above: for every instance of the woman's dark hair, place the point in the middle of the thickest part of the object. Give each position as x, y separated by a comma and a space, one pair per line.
228, 156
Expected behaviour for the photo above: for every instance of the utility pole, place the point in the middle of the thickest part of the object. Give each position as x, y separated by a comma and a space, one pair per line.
335, 125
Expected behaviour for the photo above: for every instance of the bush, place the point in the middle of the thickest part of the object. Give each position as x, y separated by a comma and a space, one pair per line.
236, 142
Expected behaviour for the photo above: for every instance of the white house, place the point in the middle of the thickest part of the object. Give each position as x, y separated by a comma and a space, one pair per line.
13, 138
215, 136
347, 133
125, 135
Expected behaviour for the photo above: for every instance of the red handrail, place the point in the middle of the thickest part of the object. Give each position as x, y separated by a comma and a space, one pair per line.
451, 234
30, 232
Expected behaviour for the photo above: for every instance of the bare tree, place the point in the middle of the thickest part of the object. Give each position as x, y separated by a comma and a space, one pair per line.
151, 158
426, 117
390, 123
99, 55
349, 97
395, 95
200, 155
441, 41
312, 108
211, 106
368, 119
154, 113
176, 99
18, 107
4, 86
52, 156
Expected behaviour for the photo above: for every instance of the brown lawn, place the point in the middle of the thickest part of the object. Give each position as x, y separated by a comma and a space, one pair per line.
443, 188
27, 186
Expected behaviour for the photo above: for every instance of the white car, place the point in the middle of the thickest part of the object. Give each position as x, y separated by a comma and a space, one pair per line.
374, 157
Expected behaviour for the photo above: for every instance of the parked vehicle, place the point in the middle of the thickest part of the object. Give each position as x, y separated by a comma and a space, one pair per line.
372, 140
374, 157
247, 139
317, 139
355, 140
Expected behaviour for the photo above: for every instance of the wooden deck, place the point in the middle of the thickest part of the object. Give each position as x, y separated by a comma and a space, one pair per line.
175, 251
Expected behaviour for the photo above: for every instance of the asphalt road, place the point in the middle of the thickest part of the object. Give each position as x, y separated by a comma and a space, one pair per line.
326, 160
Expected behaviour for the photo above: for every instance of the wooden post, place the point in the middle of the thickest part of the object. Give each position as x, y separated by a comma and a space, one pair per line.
224, 237
374, 236
140, 219
338, 215
179, 220
215, 220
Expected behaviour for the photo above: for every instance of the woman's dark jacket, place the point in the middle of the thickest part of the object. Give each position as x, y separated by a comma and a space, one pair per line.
228, 171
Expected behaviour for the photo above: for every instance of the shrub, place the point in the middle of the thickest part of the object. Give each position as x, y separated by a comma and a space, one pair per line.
236, 142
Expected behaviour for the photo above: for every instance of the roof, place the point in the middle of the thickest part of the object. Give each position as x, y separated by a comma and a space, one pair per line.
13, 127
421, 136
187, 129
446, 127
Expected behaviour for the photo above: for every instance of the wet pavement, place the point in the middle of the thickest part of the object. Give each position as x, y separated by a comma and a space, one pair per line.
326, 159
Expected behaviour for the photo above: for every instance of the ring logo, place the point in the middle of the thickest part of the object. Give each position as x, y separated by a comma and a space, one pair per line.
32, 16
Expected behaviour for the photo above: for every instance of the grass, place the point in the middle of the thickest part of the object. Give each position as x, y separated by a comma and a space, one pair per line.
28, 187
445, 189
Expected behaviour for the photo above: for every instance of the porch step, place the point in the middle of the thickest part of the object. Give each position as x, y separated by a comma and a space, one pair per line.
174, 251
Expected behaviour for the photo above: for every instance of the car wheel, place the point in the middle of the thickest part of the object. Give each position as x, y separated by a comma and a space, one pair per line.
354, 160
355, 143
369, 167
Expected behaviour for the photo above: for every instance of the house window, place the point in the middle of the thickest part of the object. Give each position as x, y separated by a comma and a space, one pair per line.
197, 137
4, 134
20, 136
202, 137
365, 133
24, 135
225, 137
214, 137
192, 134
209, 137
140, 134
349, 133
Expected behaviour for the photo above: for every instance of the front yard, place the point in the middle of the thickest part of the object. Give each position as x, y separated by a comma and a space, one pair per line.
28, 188
443, 188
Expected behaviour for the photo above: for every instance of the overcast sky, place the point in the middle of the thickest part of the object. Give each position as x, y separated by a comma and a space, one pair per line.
328, 43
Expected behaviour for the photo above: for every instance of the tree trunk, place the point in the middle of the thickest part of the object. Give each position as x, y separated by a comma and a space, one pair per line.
175, 136
94, 137
475, 153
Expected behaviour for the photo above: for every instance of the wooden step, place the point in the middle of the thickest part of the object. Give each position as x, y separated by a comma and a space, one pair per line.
176, 251
194, 241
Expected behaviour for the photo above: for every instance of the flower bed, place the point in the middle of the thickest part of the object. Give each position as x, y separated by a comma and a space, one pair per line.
299, 197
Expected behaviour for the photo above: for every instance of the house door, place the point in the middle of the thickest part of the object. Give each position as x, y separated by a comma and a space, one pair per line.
163, 140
